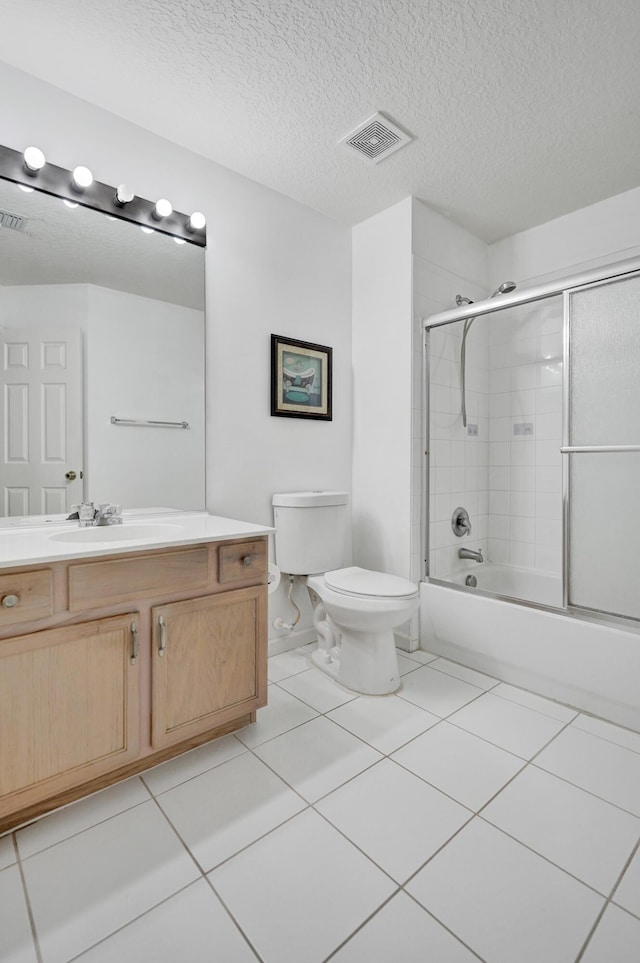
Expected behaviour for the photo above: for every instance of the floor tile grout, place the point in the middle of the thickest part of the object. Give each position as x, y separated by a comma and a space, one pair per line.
383, 755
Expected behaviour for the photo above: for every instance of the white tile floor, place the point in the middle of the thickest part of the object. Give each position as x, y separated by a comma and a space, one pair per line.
461, 819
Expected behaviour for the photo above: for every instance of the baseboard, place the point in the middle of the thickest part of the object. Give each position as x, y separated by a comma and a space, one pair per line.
293, 640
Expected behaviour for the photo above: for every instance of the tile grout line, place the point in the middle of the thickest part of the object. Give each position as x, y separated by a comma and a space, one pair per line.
607, 903
124, 926
233, 919
204, 875
25, 890
79, 832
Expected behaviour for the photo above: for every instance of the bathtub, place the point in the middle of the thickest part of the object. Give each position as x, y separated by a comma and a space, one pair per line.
590, 664
519, 583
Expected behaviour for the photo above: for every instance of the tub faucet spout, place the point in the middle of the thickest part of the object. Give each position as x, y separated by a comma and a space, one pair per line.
471, 553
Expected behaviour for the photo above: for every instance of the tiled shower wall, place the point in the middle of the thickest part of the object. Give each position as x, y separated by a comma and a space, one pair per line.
525, 434
508, 476
458, 456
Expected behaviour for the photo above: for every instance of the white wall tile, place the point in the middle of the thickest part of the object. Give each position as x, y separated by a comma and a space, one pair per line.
499, 479
522, 554
548, 374
548, 453
523, 402
499, 453
549, 426
548, 505
523, 479
523, 376
499, 429
500, 405
548, 532
499, 380
523, 529
500, 526
498, 549
523, 503
549, 400
548, 479
499, 503
523, 453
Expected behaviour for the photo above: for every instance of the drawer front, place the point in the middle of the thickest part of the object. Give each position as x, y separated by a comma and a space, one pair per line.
98, 584
25, 597
242, 562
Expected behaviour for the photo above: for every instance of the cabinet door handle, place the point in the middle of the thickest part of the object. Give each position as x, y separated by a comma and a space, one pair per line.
247, 560
10, 600
135, 645
163, 635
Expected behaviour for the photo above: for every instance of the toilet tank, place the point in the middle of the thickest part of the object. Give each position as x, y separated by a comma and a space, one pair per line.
312, 531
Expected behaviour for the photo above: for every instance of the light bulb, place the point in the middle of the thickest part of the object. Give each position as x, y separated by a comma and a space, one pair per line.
69, 203
147, 230
27, 190
196, 222
179, 240
123, 195
81, 178
162, 209
34, 160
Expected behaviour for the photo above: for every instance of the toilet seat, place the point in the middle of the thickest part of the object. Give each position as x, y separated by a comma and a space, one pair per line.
363, 583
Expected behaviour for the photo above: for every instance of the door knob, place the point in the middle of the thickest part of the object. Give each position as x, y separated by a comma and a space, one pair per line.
70, 476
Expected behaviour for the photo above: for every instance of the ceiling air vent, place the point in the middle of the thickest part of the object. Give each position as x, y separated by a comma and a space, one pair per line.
14, 222
376, 138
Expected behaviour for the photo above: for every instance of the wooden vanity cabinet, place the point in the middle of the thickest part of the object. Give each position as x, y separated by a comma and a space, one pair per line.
68, 707
131, 660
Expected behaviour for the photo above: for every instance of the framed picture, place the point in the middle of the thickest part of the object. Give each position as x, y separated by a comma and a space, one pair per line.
300, 379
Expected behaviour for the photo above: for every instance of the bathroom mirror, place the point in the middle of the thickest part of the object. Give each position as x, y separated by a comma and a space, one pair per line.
102, 324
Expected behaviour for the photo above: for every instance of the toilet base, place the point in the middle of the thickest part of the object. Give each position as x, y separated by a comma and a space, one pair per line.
365, 662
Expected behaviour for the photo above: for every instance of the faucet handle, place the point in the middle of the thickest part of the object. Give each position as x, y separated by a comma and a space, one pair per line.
86, 511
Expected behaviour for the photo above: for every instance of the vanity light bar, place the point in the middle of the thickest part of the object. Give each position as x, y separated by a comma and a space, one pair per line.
119, 202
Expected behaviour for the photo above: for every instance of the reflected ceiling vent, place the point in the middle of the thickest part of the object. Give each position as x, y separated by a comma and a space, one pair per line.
376, 138
14, 222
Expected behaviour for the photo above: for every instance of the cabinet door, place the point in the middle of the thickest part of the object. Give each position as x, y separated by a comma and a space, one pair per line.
68, 708
209, 662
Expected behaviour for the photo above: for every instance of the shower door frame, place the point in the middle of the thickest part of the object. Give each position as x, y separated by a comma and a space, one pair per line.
565, 286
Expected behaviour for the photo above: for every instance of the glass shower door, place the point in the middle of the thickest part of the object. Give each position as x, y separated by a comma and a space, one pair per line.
603, 450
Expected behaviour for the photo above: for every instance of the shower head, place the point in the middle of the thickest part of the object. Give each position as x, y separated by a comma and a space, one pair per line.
505, 288
460, 300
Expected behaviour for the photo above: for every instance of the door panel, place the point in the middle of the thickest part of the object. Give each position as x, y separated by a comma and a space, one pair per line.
41, 420
68, 708
211, 662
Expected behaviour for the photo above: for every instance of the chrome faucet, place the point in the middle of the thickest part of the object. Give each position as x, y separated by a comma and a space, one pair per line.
474, 554
108, 515
89, 516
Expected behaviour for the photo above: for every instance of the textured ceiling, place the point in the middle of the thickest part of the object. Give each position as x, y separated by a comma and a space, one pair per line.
61, 245
522, 110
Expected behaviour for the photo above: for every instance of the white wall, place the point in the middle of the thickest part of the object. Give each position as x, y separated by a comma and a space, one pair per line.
599, 234
272, 265
382, 390
144, 360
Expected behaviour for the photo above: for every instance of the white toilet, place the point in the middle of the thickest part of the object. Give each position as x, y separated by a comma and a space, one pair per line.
355, 610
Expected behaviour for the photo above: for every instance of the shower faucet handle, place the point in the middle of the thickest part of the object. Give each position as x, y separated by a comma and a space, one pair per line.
460, 522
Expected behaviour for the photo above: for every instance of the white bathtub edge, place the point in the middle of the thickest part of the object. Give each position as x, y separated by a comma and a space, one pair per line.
592, 666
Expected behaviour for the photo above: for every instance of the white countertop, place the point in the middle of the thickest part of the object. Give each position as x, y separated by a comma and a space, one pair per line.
36, 542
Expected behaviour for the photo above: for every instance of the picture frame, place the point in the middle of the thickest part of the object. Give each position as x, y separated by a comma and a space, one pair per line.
301, 379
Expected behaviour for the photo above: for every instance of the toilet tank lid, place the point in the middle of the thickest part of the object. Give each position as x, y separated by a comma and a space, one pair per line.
361, 581
310, 499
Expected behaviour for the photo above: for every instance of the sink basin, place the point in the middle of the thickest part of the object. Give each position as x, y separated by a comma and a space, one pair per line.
117, 533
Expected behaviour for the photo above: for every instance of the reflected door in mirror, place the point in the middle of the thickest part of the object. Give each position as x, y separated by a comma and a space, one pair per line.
41, 423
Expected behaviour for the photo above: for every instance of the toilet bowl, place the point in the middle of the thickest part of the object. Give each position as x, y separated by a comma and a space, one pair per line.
354, 613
